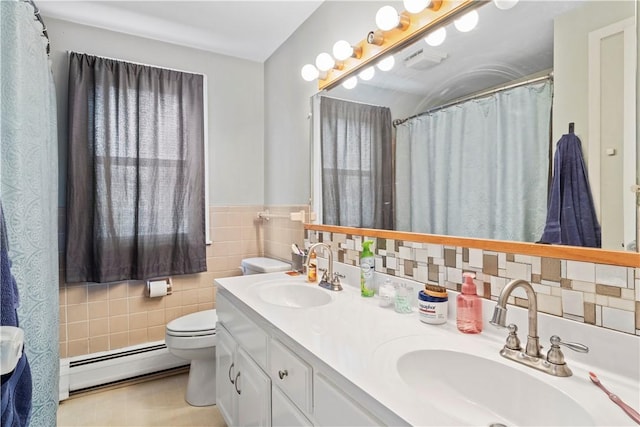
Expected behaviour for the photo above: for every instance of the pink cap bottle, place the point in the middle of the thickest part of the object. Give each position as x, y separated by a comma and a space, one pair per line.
469, 307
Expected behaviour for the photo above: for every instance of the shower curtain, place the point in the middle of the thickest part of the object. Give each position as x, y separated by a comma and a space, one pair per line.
477, 169
29, 193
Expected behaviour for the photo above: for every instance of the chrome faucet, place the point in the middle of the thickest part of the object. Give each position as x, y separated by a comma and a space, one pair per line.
330, 280
500, 314
553, 363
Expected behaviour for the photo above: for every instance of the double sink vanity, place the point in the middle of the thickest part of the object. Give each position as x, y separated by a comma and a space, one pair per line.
292, 353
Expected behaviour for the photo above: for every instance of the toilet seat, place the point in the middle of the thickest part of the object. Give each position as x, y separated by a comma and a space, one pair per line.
197, 324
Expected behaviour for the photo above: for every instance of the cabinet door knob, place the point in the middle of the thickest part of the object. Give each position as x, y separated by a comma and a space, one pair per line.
283, 374
230, 374
236, 383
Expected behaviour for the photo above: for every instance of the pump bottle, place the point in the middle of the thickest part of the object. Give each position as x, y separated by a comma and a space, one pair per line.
469, 307
312, 271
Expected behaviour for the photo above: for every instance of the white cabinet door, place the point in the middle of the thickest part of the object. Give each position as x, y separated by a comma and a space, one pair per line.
284, 413
334, 408
254, 392
226, 372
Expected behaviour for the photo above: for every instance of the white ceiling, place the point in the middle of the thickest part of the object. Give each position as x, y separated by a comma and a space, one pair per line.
250, 30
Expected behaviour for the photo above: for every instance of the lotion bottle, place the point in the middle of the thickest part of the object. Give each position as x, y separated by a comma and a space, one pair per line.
469, 307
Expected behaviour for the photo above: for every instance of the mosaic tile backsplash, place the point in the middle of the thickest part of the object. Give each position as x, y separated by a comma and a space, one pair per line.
598, 294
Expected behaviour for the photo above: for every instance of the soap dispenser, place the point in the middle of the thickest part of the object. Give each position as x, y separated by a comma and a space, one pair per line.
469, 307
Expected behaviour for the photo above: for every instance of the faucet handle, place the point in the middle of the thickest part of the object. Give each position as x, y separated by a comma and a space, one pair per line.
513, 342
335, 282
325, 275
555, 355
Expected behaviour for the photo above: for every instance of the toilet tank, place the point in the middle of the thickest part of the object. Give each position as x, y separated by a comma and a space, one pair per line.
263, 265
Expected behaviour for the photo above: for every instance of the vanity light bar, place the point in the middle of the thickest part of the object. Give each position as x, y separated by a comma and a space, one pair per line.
378, 43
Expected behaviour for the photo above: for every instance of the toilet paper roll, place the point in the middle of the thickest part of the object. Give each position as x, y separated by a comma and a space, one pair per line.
157, 288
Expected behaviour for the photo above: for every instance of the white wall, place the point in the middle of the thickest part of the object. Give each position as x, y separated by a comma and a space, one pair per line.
287, 95
236, 103
570, 63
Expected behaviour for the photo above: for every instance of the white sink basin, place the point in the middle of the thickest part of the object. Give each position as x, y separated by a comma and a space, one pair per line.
486, 392
295, 295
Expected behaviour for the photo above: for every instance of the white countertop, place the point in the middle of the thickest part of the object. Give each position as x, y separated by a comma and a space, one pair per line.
362, 342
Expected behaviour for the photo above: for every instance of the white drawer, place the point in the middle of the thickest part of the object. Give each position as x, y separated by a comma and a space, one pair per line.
291, 374
246, 333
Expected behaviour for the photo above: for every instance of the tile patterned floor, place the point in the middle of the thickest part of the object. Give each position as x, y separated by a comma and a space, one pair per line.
157, 402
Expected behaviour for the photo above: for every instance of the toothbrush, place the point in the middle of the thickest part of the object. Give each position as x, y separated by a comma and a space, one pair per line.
635, 416
296, 249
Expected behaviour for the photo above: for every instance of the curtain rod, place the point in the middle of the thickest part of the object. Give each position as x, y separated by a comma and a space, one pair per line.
549, 76
137, 63
36, 12
349, 100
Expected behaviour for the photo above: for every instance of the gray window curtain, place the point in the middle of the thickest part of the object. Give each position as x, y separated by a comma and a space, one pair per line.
357, 164
135, 180
477, 169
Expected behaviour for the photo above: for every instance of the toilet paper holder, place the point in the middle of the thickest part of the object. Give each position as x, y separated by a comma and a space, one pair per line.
159, 287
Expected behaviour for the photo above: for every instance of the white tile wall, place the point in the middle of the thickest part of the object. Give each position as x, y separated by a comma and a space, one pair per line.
611, 275
475, 258
421, 255
497, 283
583, 271
422, 273
435, 251
622, 304
405, 253
620, 320
572, 302
536, 265
583, 286
550, 304
615, 312
519, 271
392, 262
454, 275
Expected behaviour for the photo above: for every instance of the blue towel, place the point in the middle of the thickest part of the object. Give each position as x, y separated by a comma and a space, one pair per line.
9, 293
16, 386
571, 215
16, 395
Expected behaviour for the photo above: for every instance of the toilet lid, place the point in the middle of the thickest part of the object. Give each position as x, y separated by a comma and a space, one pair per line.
199, 323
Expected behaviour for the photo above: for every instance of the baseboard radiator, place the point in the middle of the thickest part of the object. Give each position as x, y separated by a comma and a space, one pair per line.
94, 370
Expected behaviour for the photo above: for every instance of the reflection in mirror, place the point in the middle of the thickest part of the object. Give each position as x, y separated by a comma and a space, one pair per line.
477, 119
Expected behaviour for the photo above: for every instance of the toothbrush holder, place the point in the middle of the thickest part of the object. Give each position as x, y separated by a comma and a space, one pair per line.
298, 262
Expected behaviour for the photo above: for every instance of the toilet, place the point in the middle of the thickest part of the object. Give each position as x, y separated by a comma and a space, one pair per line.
263, 265
193, 337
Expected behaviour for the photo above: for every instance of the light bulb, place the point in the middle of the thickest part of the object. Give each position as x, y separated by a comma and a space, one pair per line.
309, 72
350, 83
367, 73
387, 18
324, 62
387, 63
342, 50
416, 6
437, 37
505, 4
467, 22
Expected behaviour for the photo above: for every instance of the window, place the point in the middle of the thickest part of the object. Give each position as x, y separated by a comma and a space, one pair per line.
136, 172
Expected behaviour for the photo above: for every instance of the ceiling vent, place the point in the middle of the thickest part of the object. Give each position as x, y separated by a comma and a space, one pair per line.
424, 58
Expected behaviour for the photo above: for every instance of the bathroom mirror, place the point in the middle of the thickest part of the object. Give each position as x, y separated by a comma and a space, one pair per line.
589, 48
